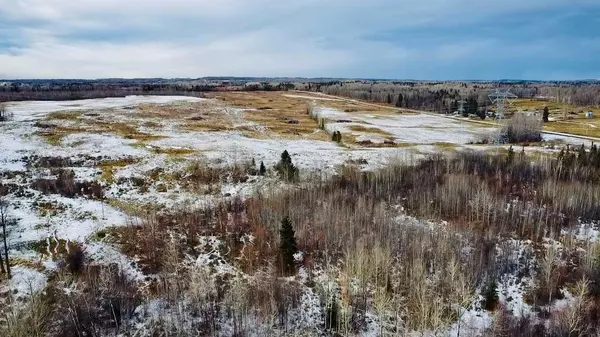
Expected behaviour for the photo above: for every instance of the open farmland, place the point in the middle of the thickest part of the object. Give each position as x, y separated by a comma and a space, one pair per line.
168, 190
564, 118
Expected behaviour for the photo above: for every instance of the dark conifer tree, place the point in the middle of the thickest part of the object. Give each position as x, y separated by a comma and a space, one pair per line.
399, 101
287, 246
262, 170
286, 168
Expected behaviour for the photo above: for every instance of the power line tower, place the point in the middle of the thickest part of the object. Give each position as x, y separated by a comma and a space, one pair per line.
501, 100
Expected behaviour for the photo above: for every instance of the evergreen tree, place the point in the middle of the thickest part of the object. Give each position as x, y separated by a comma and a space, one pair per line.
336, 137
511, 155
582, 156
454, 106
262, 169
287, 246
389, 99
472, 107
286, 168
546, 114
399, 101
490, 296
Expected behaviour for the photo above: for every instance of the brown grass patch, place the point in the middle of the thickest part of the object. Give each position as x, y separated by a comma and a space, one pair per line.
109, 167
281, 115
150, 124
366, 129
359, 107
128, 207
371, 144
55, 134
555, 108
175, 110
126, 131
208, 125
49, 208
173, 151
63, 115
589, 127
54, 248
445, 145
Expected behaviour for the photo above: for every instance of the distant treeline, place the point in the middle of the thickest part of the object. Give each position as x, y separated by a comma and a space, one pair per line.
444, 96
425, 95
66, 90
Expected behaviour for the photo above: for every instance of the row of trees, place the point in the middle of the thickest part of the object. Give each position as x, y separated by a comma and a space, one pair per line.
71, 90
580, 157
444, 96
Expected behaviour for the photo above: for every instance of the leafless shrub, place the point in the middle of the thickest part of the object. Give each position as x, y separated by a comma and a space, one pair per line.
32, 320
571, 321
5, 115
200, 176
507, 325
74, 260
411, 276
522, 128
66, 185
104, 304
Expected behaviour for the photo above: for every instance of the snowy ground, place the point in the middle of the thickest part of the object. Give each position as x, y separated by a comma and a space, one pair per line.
48, 223
408, 128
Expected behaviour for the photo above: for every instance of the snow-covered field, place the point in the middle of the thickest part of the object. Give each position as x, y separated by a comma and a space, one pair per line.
94, 143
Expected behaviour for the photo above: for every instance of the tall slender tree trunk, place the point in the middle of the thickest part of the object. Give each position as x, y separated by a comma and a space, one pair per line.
2, 265
5, 247
3, 223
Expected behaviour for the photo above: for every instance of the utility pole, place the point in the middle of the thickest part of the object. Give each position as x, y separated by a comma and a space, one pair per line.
501, 100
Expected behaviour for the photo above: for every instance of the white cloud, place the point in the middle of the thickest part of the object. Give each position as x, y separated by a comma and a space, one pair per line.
191, 38
248, 54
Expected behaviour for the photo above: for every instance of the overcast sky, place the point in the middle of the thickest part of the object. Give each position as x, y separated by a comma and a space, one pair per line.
403, 39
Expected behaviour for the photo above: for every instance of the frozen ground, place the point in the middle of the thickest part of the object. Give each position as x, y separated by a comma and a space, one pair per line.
20, 140
48, 223
37, 109
418, 129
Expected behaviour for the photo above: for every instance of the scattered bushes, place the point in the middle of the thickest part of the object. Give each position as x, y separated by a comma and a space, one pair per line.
200, 175
336, 137
4, 114
104, 304
373, 260
66, 185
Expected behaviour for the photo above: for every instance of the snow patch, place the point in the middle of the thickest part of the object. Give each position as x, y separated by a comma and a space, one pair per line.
26, 281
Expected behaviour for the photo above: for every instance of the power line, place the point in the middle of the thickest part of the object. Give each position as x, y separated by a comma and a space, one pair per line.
501, 99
